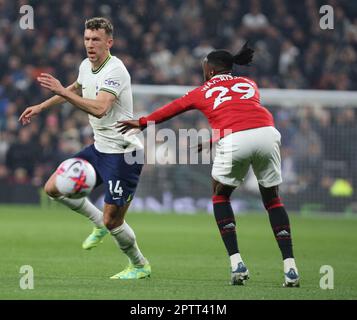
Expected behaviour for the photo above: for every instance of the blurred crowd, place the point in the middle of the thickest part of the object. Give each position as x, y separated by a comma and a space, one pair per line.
163, 42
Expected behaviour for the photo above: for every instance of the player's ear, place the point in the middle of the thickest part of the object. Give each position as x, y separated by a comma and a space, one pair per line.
110, 42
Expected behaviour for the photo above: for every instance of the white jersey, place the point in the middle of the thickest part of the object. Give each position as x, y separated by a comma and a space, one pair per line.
112, 77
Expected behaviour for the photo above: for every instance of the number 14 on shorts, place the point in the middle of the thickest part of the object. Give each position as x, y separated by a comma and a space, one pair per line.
117, 192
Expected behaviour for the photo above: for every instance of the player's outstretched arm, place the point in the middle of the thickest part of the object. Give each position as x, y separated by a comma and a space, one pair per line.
34, 110
162, 114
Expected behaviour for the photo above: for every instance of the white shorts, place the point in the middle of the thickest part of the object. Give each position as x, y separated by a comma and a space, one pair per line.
257, 147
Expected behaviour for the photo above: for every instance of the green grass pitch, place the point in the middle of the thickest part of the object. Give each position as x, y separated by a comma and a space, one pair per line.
186, 253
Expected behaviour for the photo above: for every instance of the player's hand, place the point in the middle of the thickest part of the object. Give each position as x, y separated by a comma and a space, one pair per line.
30, 112
50, 82
127, 125
202, 145
199, 147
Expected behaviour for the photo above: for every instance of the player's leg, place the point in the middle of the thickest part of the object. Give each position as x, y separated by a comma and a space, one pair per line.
230, 166
125, 238
82, 206
227, 227
280, 224
121, 179
267, 168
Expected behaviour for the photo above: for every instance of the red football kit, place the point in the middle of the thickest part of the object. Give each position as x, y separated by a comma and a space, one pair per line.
228, 102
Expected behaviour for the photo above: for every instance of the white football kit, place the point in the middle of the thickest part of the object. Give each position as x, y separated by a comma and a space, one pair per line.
113, 77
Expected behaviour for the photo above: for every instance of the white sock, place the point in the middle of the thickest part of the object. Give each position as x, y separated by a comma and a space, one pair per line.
235, 259
288, 264
85, 208
124, 236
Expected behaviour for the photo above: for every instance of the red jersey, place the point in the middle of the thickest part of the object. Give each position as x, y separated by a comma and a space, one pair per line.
228, 102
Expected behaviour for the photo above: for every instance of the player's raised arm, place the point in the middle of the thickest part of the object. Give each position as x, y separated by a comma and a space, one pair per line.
34, 110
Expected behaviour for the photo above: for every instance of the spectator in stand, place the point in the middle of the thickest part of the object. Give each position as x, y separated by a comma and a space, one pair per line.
22, 153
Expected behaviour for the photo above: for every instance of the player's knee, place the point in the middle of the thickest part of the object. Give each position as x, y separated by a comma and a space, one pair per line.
269, 195
113, 216
271, 198
112, 222
51, 189
220, 198
220, 189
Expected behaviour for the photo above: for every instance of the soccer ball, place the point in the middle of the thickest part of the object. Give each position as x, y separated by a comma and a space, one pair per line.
75, 178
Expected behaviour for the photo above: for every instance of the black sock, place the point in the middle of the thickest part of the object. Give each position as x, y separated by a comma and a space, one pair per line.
280, 224
227, 225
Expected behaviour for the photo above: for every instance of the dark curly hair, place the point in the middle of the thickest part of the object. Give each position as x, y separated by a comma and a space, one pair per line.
225, 60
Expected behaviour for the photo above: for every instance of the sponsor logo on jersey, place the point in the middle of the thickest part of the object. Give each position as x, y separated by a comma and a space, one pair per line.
111, 83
